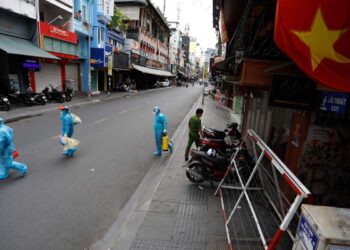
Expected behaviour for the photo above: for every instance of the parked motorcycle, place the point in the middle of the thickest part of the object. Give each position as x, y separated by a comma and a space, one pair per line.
217, 134
68, 93
53, 94
224, 142
208, 166
20, 98
38, 98
4, 103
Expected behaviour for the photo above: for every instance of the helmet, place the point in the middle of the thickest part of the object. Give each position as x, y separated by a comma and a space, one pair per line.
211, 152
63, 107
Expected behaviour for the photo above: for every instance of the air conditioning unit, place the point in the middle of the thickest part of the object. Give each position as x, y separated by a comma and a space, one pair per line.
323, 228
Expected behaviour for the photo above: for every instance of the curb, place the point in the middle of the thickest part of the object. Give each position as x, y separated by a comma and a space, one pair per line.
83, 103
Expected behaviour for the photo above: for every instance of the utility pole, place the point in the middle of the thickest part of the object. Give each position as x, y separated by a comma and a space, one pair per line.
164, 5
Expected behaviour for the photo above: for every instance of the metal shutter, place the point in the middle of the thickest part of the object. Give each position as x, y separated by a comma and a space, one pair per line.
72, 73
50, 73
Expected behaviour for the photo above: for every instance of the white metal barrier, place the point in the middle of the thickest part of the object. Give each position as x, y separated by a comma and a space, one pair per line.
266, 187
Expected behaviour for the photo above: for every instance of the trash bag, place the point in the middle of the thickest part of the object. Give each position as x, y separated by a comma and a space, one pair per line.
70, 143
76, 119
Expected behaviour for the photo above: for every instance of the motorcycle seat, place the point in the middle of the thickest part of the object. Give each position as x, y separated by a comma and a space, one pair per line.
218, 161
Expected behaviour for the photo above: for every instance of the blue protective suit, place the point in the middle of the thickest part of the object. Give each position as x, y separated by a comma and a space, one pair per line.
67, 129
160, 126
6, 153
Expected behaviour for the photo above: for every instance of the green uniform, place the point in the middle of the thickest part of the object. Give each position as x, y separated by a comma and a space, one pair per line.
194, 125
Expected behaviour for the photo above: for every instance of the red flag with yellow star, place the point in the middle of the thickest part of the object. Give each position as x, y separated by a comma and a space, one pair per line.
315, 34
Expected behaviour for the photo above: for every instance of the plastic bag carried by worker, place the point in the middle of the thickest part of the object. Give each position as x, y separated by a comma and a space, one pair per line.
76, 119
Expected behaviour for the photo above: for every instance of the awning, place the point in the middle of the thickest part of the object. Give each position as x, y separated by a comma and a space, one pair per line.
18, 46
156, 72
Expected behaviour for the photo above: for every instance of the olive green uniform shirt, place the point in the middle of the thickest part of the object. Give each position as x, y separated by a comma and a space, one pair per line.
194, 126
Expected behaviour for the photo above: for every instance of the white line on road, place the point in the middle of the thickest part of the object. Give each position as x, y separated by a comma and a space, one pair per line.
99, 121
123, 112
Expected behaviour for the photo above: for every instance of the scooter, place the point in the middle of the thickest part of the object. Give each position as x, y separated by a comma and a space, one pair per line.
54, 94
38, 98
205, 166
217, 134
69, 94
17, 98
4, 103
224, 146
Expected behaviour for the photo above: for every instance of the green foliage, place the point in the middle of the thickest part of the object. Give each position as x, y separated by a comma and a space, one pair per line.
117, 21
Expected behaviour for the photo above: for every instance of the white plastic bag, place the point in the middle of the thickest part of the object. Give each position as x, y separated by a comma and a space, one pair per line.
76, 119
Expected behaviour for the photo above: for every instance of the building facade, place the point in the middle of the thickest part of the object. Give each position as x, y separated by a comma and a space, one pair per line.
148, 30
19, 52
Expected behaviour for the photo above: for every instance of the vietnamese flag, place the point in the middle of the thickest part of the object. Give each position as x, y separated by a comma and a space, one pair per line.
315, 34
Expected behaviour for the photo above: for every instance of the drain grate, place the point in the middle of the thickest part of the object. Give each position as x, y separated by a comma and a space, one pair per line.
195, 195
191, 223
150, 244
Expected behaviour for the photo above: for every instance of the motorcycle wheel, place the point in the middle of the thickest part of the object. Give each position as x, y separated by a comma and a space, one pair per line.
6, 107
194, 179
60, 99
28, 102
68, 98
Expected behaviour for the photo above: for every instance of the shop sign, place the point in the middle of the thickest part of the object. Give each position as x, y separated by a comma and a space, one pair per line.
97, 58
108, 53
289, 91
307, 234
334, 102
57, 33
108, 7
31, 65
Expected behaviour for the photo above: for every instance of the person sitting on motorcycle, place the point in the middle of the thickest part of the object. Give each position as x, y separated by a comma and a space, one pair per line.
6, 153
195, 130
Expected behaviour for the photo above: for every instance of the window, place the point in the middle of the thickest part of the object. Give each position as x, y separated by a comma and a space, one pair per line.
48, 44
83, 13
100, 35
56, 46
65, 48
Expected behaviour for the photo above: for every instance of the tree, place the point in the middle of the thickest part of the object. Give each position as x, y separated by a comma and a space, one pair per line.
117, 21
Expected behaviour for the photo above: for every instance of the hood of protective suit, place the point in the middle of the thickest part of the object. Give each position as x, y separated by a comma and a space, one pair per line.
156, 110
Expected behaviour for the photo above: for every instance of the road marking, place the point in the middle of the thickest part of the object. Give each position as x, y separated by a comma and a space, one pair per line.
55, 137
99, 121
123, 112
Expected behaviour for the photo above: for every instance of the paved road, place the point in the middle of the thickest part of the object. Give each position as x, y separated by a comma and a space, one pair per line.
69, 203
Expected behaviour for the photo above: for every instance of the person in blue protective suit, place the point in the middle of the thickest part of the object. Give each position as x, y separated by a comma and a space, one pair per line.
160, 127
67, 128
6, 153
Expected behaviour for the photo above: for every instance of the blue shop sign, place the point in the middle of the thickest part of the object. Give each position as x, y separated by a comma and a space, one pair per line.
108, 52
334, 102
307, 234
31, 65
97, 58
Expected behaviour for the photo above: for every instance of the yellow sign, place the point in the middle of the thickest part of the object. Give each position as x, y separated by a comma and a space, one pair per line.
110, 65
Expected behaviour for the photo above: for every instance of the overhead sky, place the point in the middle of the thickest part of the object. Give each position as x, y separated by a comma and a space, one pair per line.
196, 13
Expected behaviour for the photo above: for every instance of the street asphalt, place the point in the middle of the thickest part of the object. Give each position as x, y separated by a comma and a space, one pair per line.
70, 203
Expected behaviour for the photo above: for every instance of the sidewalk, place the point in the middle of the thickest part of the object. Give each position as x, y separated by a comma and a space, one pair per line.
21, 112
181, 215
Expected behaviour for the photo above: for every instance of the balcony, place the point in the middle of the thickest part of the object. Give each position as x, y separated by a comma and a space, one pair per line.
82, 27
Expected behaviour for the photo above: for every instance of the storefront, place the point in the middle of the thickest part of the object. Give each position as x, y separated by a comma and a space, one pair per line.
62, 44
120, 68
97, 68
19, 55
